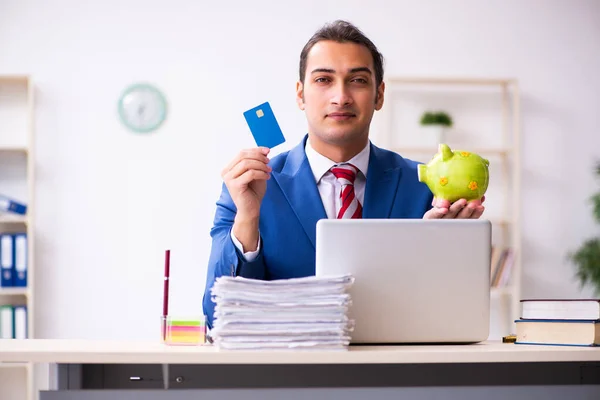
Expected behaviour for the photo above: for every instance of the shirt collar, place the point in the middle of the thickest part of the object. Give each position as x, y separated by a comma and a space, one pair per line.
320, 164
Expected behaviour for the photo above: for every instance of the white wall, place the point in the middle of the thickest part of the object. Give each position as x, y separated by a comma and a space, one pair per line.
110, 202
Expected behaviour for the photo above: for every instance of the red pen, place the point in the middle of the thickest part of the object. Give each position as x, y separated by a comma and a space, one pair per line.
166, 293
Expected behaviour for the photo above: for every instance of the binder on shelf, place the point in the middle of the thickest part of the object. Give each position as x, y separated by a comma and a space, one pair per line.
6, 260
7, 322
20, 322
12, 206
20, 260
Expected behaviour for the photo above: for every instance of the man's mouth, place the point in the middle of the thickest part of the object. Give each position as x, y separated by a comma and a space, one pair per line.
341, 116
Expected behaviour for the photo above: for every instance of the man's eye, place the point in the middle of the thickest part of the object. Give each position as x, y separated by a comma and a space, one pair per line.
360, 80
322, 80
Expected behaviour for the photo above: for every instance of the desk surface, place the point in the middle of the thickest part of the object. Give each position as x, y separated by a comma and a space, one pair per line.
144, 352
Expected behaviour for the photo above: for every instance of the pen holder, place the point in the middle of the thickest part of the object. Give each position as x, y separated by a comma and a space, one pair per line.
183, 331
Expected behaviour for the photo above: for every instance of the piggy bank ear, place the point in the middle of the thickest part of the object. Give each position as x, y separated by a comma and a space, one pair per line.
486, 162
446, 152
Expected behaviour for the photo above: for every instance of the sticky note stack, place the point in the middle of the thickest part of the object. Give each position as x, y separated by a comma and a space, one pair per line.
185, 331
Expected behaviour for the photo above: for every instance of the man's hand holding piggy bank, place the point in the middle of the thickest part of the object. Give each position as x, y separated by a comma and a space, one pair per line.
458, 181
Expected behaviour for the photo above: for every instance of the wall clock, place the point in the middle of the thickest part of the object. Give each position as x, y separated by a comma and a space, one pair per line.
142, 108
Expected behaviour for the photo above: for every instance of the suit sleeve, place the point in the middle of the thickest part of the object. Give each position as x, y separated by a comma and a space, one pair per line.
428, 200
249, 255
225, 258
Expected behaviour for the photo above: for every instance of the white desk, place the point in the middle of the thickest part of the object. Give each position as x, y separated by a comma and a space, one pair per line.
108, 366
141, 352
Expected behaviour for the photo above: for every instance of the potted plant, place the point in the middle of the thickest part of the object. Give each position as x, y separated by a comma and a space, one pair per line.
587, 257
437, 122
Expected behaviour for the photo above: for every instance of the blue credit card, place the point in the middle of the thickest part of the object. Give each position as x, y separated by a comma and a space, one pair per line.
264, 126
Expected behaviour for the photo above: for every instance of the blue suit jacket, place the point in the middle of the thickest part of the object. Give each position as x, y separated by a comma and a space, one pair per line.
290, 211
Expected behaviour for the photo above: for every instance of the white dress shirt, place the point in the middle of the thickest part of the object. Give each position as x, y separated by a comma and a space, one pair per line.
328, 185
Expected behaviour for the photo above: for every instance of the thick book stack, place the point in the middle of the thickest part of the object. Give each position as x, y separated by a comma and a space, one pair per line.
567, 322
298, 313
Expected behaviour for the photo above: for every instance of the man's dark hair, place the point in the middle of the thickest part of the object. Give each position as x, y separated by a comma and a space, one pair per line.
343, 32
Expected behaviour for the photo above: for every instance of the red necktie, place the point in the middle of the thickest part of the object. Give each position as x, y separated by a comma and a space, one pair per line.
346, 174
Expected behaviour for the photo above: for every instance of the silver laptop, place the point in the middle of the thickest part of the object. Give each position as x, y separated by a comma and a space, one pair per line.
416, 281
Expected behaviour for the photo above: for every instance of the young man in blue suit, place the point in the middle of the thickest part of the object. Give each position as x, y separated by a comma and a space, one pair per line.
265, 222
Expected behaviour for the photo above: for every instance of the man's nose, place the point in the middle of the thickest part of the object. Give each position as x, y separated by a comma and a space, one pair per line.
341, 95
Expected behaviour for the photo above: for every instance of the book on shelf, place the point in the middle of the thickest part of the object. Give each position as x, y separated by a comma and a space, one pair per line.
9, 205
501, 264
566, 322
13, 260
13, 322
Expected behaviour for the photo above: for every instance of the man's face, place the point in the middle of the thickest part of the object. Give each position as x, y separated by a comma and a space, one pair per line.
339, 93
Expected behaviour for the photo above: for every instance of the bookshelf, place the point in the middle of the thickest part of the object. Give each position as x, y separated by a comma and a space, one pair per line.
8, 219
14, 292
486, 114
14, 365
17, 177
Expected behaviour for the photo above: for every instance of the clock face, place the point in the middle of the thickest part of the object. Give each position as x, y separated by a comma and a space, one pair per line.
142, 108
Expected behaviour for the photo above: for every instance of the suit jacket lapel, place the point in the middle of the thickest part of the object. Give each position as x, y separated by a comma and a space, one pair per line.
297, 182
382, 185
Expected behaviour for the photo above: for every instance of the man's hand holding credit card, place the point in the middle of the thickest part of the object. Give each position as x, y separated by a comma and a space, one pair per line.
247, 174
264, 126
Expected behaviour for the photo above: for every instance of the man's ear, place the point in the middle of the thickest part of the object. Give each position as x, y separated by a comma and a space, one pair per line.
379, 96
300, 95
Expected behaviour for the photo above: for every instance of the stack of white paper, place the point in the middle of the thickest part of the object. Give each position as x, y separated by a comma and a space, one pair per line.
298, 313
